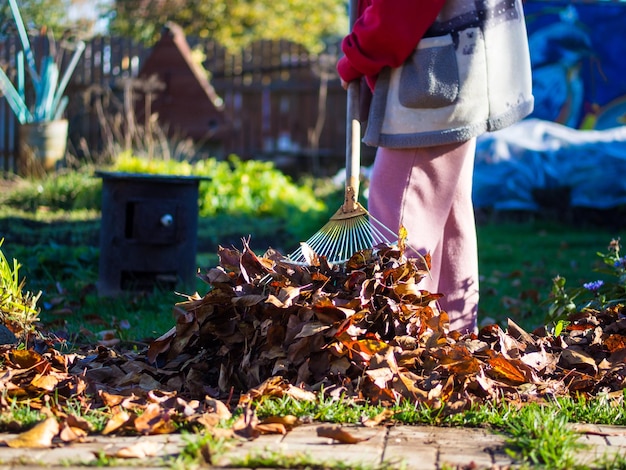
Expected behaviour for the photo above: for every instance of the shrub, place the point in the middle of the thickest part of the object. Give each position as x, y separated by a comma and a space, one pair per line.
608, 290
242, 188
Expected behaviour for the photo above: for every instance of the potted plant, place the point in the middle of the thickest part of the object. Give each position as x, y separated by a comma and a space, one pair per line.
40, 103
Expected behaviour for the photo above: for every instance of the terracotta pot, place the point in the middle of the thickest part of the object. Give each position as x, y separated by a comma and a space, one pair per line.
42, 146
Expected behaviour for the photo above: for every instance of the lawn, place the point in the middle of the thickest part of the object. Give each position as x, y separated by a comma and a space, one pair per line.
519, 260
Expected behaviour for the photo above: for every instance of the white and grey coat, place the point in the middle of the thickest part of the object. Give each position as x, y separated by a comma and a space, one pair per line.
469, 74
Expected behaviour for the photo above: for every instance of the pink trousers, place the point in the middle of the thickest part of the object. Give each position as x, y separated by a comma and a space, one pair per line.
429, 191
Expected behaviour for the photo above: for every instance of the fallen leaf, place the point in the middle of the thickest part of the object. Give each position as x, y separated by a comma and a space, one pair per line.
120, 418
140, 450
379, 418
72, 434
38, 437
271, 428
578, 359
288, 421
336, 433
154, 420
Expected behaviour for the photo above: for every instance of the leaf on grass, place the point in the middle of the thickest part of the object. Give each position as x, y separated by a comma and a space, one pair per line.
218, 408
337, 433
78, 422
119, 419
154, 420
38, 437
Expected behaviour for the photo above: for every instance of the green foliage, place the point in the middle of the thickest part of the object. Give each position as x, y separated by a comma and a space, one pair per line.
49, 13
67, 276
243, 188
607, 290
199, 449
325, 409
18, 309
599, 410
235, 23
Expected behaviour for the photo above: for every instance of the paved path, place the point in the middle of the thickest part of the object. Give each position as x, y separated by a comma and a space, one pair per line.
408, 447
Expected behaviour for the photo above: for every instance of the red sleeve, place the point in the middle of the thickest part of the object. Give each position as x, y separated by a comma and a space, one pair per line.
384, 35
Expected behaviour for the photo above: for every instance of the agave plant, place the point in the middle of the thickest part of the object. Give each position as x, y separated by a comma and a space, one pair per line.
48, 85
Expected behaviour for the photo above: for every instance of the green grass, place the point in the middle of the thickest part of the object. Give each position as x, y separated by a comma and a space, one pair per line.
517, 262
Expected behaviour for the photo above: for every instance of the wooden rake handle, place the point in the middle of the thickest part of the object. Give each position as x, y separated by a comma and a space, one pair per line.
353, 150
351, 206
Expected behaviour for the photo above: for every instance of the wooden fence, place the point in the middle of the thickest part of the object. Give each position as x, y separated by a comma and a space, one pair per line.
279, 102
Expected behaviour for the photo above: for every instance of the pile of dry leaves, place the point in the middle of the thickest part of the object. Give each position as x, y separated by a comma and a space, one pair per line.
364, 329
367, 329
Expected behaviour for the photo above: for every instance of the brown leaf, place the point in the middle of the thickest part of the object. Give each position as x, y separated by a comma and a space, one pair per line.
218, 408
379, 418
139, 450
287, 421
38, 437
72, 434
246, 424
504, 369
577, 359
79, 422
120, 418
25, 358
271, 428
336, 433
160, 345
45, 382
615, 342
380, 376
154, 420
541, 361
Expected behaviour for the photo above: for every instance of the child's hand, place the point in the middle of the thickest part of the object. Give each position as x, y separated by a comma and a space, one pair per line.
344, 84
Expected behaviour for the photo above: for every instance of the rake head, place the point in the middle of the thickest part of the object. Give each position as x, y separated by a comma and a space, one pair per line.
343, 235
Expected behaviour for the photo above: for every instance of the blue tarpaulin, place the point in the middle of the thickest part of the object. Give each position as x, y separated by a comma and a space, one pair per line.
576, 136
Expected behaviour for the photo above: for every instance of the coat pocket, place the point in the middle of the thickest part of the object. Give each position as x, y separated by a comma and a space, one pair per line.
430, 77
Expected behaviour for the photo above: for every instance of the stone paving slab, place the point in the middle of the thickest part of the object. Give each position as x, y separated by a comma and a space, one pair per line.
407, 447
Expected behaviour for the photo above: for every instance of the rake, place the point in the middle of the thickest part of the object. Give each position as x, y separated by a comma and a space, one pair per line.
350, 229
